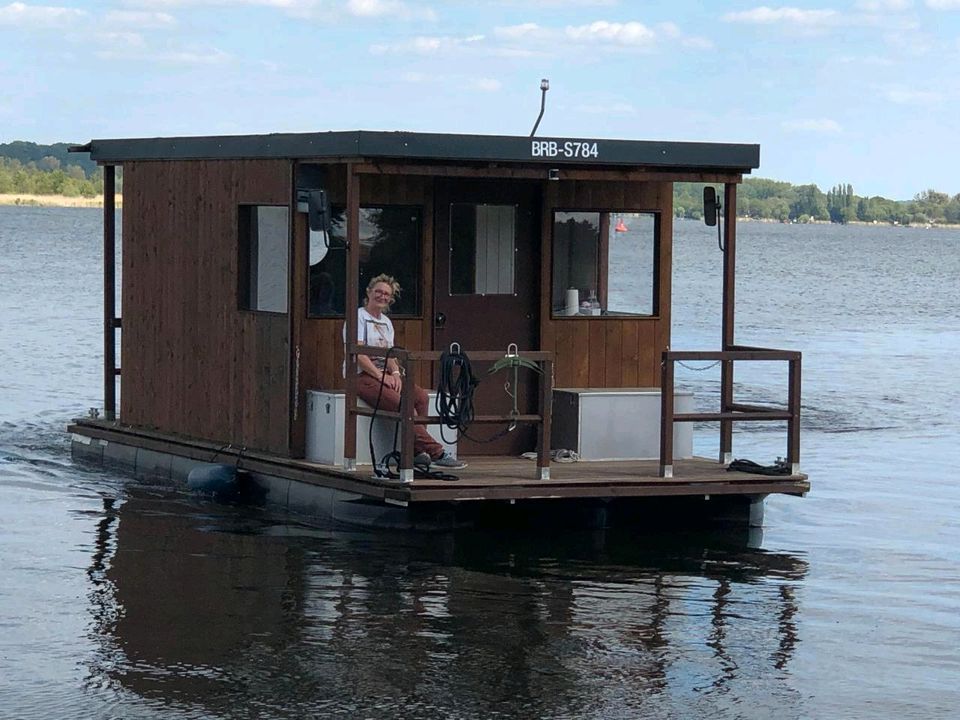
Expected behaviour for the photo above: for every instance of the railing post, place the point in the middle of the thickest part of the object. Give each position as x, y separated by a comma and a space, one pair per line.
726, 401
406, 422
729, 315
793, 425
666, 415
546, 416
352, 295
109, 294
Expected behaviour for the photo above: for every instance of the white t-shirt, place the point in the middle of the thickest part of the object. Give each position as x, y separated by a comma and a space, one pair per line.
376, 332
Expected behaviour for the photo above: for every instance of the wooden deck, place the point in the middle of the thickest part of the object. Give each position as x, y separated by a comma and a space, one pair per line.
485, 478
501, 478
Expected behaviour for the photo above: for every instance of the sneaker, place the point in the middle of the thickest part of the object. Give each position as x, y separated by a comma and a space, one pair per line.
448, 461
422, 460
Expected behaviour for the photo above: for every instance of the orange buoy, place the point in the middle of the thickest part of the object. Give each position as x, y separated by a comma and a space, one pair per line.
620, 226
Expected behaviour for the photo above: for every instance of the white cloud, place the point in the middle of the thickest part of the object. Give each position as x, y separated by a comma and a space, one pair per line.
884, 5
868, 60
427, 45
672, 31
943, 4
561, 3
906, 96
820, 125
140, 19
323, 9
697, 43
483, 84
292, 5
486, 84
388, 8
195, 57
21, 15
525, 38
170, 57
633, 34
415, 78
520, 32
120, 41
786, 15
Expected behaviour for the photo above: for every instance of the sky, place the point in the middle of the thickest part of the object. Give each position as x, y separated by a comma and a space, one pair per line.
865, 92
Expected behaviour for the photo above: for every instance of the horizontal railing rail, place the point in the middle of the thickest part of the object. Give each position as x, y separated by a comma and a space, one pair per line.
408, 358
730, 411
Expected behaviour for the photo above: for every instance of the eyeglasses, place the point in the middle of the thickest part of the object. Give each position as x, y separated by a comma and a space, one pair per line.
383, 293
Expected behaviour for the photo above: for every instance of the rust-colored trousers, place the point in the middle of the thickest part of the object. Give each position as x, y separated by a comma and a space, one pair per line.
368, 389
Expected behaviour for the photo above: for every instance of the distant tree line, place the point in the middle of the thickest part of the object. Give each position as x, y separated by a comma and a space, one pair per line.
28, 152
47, 177
775, 200
31, 169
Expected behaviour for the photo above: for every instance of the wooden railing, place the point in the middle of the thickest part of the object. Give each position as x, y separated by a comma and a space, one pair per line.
730, 411
406, 359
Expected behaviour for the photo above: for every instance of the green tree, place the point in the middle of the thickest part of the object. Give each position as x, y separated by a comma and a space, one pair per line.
48, 162
840, 204
951, 211
809, 201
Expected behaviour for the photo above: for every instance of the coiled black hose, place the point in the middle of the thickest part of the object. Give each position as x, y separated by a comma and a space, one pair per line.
455, 392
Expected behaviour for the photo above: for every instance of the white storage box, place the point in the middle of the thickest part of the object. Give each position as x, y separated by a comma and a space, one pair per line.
617, 424
325, 417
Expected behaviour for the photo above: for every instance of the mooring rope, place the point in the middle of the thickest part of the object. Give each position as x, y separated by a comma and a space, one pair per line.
681, 363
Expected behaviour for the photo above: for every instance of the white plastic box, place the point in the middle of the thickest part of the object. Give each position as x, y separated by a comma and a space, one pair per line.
617, 424
325, 421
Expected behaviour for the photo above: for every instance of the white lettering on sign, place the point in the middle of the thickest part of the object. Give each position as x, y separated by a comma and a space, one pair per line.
570, 149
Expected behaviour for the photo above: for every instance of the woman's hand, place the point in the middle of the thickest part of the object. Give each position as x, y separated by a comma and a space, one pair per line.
392, 381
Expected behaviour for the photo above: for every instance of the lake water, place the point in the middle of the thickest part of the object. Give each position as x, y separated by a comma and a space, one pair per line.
119, 600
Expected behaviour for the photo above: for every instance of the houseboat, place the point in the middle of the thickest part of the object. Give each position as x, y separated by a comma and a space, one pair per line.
244, 259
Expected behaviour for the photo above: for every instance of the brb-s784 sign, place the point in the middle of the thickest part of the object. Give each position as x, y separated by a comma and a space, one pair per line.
567, 149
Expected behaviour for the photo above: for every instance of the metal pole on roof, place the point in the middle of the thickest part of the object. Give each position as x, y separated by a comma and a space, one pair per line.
544, 86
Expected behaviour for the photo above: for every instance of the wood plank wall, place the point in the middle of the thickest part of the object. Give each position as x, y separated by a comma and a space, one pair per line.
193, 363
609, 352
321, 339
598, 352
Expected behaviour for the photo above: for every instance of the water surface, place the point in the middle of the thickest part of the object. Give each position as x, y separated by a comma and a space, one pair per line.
130, 601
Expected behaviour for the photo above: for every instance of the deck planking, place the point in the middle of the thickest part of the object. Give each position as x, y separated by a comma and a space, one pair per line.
485, 478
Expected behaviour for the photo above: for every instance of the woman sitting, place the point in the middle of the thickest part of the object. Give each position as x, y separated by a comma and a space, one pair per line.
379, 377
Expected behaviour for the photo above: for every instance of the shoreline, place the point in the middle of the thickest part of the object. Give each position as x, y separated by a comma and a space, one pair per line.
865, 223
29, 200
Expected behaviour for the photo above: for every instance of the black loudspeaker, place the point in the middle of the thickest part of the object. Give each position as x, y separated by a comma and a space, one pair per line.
710, 205
318, 210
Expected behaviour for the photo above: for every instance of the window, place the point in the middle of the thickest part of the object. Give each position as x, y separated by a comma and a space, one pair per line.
390, 240
482, 249
263, 241
605, 263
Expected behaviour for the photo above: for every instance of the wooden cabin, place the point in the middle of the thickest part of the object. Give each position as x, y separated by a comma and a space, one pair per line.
234, 307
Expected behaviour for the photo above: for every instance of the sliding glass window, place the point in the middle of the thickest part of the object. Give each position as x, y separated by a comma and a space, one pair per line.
605, 263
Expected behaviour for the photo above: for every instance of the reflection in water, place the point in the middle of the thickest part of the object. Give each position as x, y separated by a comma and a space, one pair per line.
788, 629
102, 592
212, 610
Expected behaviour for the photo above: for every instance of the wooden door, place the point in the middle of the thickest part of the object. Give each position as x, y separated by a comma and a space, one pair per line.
487, 292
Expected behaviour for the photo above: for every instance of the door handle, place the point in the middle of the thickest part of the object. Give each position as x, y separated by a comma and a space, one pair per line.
439, 321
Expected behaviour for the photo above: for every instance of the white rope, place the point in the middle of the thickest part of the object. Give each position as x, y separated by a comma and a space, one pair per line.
560, 456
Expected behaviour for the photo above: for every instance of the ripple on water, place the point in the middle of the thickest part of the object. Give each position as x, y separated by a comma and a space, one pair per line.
124, 600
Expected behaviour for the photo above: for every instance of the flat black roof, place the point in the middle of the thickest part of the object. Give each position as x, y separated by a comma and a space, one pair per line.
591, 152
